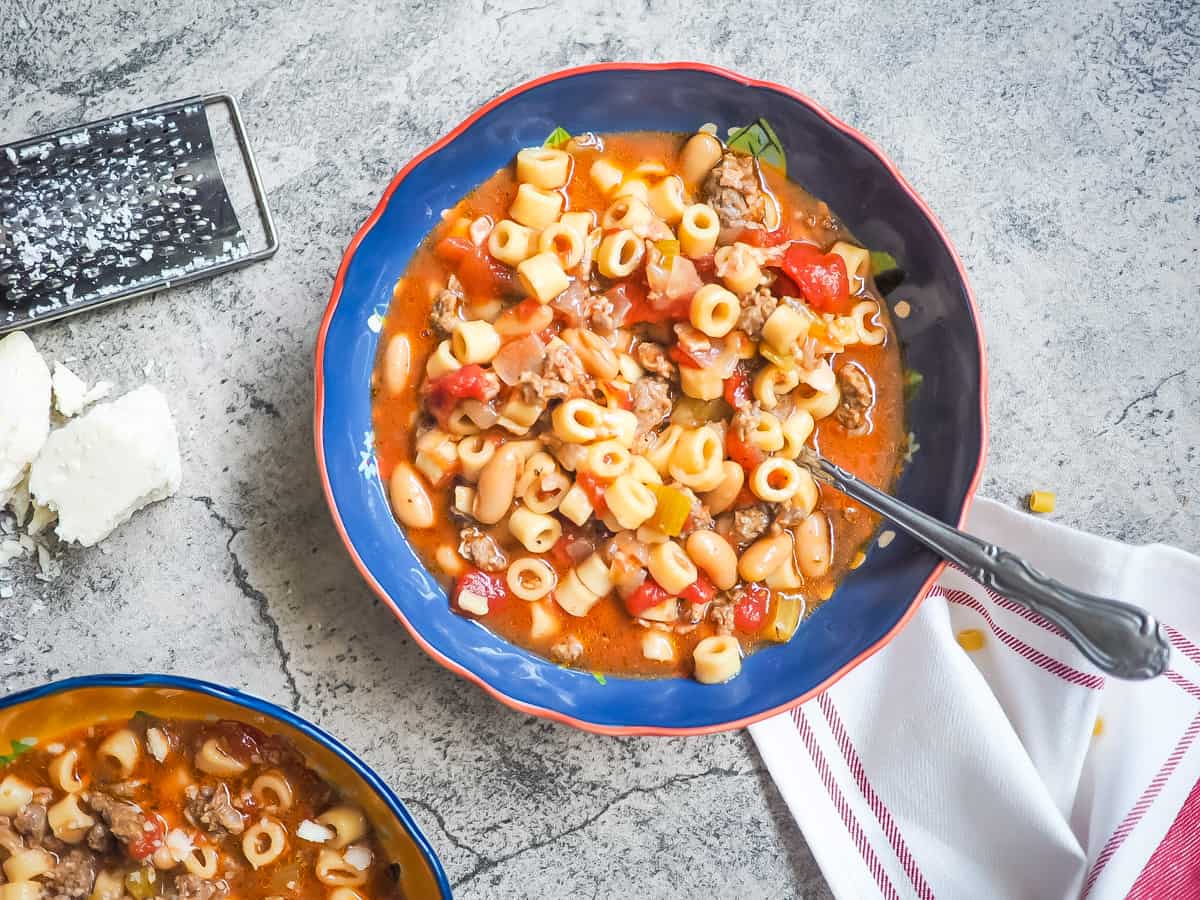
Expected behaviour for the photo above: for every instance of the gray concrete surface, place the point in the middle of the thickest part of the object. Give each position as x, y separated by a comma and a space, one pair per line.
1057, 142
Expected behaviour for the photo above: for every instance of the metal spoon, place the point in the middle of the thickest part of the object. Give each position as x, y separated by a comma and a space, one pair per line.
1120, 639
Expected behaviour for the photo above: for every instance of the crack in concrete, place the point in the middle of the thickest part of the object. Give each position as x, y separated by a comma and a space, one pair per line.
241, 577
503, 17
488, 863
1149, 395
441, 823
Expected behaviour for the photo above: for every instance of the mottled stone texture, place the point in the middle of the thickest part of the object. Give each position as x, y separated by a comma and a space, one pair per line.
1058, 143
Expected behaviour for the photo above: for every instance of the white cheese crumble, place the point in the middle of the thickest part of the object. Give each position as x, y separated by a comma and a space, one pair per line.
24, 407
99, 469
70, 391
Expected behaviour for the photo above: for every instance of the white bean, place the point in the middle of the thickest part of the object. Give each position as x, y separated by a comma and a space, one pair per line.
715, 557
764, 556
699, 155
397, 364
497, 485
410, 500
813, 545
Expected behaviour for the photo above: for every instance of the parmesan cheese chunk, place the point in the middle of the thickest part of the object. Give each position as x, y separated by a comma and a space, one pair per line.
70, 391
98, 470
24, 408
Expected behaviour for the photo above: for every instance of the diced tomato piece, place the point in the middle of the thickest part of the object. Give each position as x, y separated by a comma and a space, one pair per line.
737, 388
784, 286
640, 309
453, 249
647, 595
483, 584
760, 237
559, 555
820, 277
705, 265
751, 608
699, 591
681, 356
619, 395
744, 454
149, 840
527, 307
594, 488
446, 390
746, 498
481, 275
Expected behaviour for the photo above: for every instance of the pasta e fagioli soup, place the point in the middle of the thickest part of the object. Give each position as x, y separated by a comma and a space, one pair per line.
593, 384
186, 809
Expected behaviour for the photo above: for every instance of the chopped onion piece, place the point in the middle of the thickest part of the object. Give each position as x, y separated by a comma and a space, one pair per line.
684, 280
473, 602
178, 843
579, 549
482, 414
820, 377
657, 646
157, 743
314, 832
359, 857
515, 357
573, 302
479, 230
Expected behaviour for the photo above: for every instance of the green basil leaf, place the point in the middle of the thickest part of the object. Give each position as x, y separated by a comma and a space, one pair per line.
912, 383
882, 262
759, 140
19, 748
558, 137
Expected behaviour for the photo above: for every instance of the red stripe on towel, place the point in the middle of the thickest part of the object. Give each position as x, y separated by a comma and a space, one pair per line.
1179, 681
1013, 607
1183, 645
878, 807
839, 802
1174, 868
1018, 646
1144, 802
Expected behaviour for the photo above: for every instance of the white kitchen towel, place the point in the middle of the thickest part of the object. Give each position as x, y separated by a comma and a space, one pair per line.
1012, 769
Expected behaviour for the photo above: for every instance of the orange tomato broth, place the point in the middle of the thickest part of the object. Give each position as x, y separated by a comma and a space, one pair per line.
612, 642
159, 792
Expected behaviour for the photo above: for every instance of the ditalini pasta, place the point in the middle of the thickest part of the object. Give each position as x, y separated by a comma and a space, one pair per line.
592, 397
174, 807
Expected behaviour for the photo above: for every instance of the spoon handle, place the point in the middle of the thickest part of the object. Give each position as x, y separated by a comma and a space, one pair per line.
1118, 638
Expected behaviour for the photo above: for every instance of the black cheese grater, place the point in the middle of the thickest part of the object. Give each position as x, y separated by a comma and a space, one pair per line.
118, 208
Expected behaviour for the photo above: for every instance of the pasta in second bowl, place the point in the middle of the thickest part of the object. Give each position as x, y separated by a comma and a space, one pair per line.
535, 235
143, 786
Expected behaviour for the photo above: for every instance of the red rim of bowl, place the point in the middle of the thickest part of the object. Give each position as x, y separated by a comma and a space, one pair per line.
319, 403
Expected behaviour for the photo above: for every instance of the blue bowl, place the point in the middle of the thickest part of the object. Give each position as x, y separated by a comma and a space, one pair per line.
941, 339
60, 707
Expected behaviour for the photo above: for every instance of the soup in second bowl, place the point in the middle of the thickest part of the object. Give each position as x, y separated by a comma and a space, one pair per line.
594, 382
179, 808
